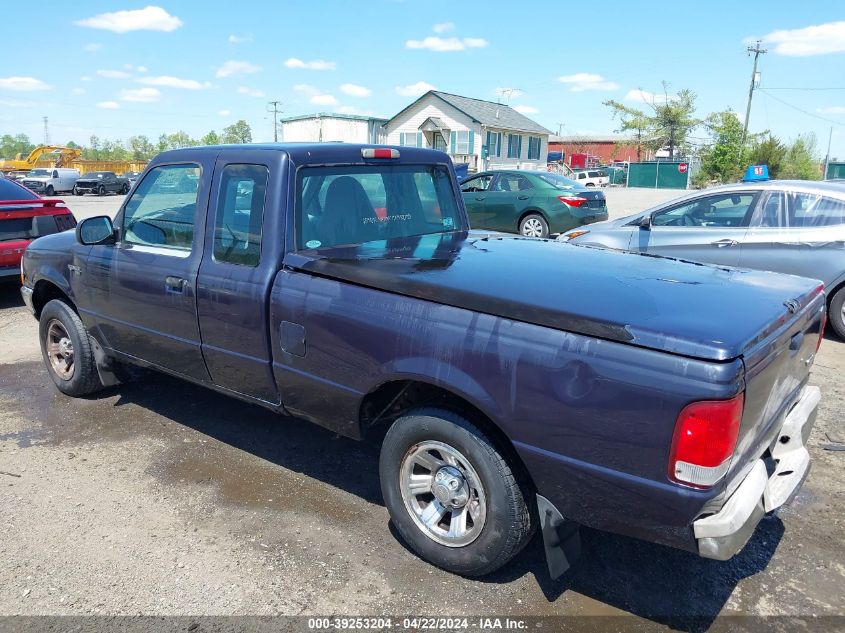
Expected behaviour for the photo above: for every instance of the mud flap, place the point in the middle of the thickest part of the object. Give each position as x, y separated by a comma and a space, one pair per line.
561, 538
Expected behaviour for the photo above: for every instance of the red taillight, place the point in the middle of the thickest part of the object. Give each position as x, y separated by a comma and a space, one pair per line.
379, 152
704, 440
573, 201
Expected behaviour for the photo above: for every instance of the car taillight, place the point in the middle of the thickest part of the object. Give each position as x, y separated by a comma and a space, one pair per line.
573, 201
704, 440
379, 152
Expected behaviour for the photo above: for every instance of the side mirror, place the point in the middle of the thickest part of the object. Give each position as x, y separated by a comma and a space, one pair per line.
94, 231
645, 222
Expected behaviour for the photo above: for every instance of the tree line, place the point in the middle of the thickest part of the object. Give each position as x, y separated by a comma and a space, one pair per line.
135, 148
670, 121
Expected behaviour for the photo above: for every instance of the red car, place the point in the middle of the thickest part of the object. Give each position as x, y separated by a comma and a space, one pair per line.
25, 216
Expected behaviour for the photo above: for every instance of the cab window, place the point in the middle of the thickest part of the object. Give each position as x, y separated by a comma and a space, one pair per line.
240, 212
348, 205
162, 207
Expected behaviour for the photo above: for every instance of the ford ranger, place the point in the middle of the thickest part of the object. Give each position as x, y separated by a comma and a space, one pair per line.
514, 383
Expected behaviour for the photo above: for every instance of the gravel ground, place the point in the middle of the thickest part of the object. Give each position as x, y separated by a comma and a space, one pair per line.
163, 498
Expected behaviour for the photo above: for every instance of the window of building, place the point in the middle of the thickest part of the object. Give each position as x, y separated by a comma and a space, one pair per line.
161, 210
240, 211
462, 142
494, 144
534, 143
409, 139
514, 145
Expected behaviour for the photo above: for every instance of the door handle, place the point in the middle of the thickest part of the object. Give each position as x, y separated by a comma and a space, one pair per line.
480, 198
175, 283
724, 242
522, 197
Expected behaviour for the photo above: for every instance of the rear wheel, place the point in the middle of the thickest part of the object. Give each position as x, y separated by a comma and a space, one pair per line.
534, 225
451, 494
836, 313
66, 349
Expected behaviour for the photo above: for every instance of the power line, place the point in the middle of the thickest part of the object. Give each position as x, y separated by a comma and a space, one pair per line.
795, 107
802, 89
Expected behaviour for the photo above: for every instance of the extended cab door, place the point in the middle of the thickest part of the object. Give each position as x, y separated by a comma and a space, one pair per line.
239, 264
141, 291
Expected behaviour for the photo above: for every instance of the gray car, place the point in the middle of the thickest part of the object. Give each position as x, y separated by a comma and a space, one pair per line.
795, 227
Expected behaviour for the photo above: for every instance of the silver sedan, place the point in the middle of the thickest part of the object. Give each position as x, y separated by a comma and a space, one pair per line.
794, 227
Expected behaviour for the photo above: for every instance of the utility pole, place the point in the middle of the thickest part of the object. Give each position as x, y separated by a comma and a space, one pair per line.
757, 52
276, 113
827, 156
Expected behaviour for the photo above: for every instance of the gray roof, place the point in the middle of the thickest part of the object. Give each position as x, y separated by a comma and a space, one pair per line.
485, 113
332, 115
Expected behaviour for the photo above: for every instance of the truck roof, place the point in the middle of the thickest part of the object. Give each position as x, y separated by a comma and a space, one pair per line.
310, 152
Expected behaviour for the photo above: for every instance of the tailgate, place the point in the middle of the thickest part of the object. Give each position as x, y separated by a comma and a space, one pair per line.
776, 369
596, 199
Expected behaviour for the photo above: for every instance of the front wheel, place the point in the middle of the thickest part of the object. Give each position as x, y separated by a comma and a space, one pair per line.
75, 191
101, 190
451, 494
534, 225
836, 313
124, 189
50, 192
66, 349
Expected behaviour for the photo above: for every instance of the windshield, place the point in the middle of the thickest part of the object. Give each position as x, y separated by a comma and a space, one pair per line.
559, 182
353, 205
94, 174
39, 172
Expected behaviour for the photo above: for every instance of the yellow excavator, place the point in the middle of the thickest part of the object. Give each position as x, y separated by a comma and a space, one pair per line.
60, 156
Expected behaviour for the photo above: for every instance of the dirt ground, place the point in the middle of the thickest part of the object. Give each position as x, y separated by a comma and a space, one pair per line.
162, 498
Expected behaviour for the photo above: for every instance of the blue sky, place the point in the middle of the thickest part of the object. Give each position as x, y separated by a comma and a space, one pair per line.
120, 68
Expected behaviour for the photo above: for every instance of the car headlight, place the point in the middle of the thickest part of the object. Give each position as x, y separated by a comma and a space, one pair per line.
572, 235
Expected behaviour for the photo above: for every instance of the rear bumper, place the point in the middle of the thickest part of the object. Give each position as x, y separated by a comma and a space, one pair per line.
723, 534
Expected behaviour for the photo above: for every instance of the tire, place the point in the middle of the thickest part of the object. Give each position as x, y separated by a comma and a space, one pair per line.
101, 190
75, 191
590, 184
60, 330
124, 189
533, 225
49, 191
836, 313
500, 517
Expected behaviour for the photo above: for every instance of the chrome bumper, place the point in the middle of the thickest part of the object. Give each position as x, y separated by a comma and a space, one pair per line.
26, 293
725, 533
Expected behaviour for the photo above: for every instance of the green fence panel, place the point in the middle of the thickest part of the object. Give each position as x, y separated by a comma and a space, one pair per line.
835, 170
658, 175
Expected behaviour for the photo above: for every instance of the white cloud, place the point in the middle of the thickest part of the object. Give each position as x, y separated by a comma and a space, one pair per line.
113, 74
644, 96
174, 82
579, 82
108, 105
446, 44
92, 47
147, 19
85, 78
316, 64
141, 95
347, 110
23, 84
443, 27
252, 92
414, 90
78, 91
13, 103
224, 112
233, 67
240, 39
141, 69
355, 91
324, 100
820, 39
526, 109
832, 110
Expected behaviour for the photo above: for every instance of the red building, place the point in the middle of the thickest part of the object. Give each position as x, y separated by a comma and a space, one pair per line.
606, 148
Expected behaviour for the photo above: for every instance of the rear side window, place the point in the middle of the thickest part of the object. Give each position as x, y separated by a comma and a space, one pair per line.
162, 207
357, 204
240, 212
807, 210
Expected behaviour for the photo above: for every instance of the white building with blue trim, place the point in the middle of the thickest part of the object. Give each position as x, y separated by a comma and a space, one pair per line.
482, 134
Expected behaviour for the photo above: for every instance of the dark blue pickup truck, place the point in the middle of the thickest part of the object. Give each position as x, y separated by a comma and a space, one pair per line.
514, 383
